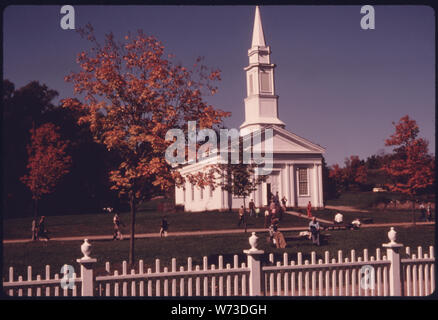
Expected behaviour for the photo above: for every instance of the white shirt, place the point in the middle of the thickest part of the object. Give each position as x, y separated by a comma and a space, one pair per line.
339, 217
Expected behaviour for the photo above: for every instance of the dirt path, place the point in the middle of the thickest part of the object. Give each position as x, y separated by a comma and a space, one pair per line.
210, 232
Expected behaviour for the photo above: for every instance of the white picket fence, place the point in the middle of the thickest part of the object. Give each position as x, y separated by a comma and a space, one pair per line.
342, 276
379, 275
190, 281
48, 287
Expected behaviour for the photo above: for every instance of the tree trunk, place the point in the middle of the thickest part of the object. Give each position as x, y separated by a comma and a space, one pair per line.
131, 240
244, 212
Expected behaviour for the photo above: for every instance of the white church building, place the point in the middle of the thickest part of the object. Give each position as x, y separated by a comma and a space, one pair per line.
297, 162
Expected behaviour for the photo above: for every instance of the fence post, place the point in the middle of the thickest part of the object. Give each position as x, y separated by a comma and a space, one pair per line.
87, 275
393, 255
254, 264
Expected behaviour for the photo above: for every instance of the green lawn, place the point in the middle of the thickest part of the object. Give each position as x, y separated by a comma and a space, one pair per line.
147, 221
57, 253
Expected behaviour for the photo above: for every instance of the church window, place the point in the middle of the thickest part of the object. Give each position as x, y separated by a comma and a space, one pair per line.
202, 193
211, 192
265, 81
250, 85
303, 183
193, 192
184, 194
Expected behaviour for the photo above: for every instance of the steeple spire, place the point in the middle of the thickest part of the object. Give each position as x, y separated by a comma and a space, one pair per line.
258, 38
261, 103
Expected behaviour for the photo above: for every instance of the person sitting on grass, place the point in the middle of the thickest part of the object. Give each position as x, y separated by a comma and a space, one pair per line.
314, 230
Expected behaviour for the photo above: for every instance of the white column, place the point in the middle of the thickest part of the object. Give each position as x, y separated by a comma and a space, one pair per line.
320, 182
314, 196
292, 186
287, 185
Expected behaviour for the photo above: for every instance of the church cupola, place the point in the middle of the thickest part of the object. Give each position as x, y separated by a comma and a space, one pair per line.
261, 103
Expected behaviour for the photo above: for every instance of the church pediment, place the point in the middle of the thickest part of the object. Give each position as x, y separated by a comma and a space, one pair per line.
288, 142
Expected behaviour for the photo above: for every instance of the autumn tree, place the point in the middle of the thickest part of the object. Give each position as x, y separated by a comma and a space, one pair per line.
352, 176
133, 94
411, 169
48, 162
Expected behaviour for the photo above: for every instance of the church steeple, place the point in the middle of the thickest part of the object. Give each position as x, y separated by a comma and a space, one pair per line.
261, 103
258, 38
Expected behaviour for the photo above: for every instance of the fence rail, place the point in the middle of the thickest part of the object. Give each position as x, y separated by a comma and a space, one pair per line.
350, 275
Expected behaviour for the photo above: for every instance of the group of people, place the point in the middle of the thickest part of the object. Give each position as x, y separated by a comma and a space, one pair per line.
117, 235
274, 211
426, 212
39, 229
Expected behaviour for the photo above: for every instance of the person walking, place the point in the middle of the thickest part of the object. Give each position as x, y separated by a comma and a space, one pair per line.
42, 231
241, 216
277, 199
251, 208
314, 230
34, 230
309, 210
267, 220
429, 212
164, 227
117, 235
283, 202
423, 211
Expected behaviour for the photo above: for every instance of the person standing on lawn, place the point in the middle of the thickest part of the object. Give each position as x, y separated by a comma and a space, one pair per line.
314, 230
277, 199
34, 230
309, 209
251, 208
267, 220
423, 211
42, 231
241, 216
117, 233
429, 212
283, 202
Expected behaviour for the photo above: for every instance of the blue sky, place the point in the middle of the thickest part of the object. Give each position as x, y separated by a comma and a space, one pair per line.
339, 86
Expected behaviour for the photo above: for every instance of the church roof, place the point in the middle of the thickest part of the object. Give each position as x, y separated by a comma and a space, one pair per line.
285, 141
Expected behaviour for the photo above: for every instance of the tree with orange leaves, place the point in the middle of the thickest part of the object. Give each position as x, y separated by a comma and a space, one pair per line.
48, 162
133, 95
411, 169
